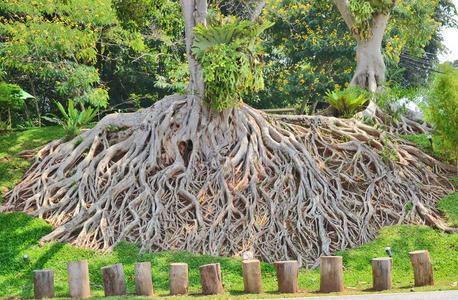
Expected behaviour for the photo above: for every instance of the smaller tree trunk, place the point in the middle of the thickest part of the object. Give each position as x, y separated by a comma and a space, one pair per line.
422, 267
178, 279
143, 280
252, 280
210, 276
35, 99
331, 274
381, 273
43, 284
78, 279
370, 67
113, 280
287, 273
9, 118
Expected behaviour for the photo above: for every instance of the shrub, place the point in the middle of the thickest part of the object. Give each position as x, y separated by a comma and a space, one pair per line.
10, 99
230, 55
74, 120
347, 101
442, 108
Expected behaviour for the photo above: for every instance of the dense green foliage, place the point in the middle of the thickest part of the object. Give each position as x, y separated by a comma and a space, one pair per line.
19, 235
347, 101
442, 108
10, 100
363, 12
449, 207
230, 55
13, 167
73, 120
128, 54
310, 49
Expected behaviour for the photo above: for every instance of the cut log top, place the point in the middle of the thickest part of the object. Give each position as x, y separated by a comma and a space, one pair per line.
418, 252
179, 264
382, 258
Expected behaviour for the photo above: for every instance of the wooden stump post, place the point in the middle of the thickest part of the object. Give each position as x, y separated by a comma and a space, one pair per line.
78, 279
381, 273
422, 267
178, 279
43, 284
331, 274
252, 276
113, 280
287, 272
210, 276
143, 280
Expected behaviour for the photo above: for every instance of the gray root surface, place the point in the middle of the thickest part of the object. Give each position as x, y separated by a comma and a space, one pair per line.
177, 176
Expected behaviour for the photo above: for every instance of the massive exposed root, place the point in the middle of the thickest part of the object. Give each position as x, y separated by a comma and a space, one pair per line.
176, 176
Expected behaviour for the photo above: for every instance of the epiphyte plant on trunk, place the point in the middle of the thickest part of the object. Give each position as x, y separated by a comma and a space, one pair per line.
230, 56
182, 176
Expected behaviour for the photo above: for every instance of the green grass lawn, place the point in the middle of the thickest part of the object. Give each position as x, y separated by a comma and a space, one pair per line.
12, 167
19, 235
435, 150
449, 207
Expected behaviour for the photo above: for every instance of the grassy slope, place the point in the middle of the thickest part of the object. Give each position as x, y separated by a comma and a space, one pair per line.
19, 234
13, 167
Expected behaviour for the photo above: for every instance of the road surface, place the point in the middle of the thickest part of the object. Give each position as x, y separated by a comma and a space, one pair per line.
440, 295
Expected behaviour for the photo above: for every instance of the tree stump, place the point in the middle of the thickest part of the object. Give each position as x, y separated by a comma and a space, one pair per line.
210, 276
78, 279
381, 273
178, 279
113, 280
331, 274
252, 280
143, 280
422, 267
43, 284
287, 272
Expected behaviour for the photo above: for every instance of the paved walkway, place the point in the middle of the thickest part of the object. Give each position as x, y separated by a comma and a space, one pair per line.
440, 295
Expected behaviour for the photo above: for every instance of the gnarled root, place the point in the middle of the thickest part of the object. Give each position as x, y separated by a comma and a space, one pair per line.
177, 176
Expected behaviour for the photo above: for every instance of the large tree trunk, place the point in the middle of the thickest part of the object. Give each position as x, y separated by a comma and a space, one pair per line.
194, 13
370, 68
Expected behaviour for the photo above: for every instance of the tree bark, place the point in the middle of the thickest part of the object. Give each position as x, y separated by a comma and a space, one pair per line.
113, 280
252, 280
78, 279
194, 13
287, 273
35, 99
143, 281
210, 276
331, 274
422, 267
370, 67
43, 284
178, 279
381, 273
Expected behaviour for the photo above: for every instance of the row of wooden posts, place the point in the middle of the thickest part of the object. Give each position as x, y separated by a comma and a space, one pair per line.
331, 277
